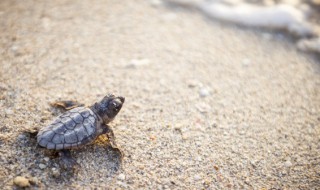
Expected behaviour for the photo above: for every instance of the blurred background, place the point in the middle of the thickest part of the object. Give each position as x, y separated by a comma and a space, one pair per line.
219, 94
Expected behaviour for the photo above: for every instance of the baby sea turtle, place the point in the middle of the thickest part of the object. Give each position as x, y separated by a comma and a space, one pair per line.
80, 126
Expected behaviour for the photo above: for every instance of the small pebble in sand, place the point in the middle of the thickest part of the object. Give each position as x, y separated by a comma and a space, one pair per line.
22, 137
204, 92
197, 177
34, 181
153, 137
288, 163
55, 172
42, 166
21, 181
46, 159
246, 62
134, 63
121, 177
192, 83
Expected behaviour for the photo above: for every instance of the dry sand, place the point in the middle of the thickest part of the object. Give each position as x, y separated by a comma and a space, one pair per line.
207, 106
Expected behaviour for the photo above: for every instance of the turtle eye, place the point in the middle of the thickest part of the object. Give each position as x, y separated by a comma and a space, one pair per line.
115, 108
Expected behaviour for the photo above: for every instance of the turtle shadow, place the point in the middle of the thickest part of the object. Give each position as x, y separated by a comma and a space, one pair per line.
99, 159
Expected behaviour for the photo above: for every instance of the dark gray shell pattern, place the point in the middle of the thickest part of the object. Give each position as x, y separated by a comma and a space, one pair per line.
72, 129
80, 125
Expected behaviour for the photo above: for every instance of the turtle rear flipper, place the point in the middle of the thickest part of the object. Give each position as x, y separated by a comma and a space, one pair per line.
66, 104
66, 160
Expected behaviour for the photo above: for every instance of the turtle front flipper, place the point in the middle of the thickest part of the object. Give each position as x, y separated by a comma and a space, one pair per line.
66, 160
111, 138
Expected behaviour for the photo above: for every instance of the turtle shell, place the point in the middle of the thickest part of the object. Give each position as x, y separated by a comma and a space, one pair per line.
72, 129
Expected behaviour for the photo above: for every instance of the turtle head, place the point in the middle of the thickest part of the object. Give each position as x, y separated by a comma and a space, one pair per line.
109, 107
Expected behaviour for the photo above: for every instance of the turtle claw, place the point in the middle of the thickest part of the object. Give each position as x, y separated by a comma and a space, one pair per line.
116, 149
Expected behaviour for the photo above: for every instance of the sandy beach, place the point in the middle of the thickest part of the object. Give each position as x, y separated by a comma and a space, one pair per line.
208, 105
